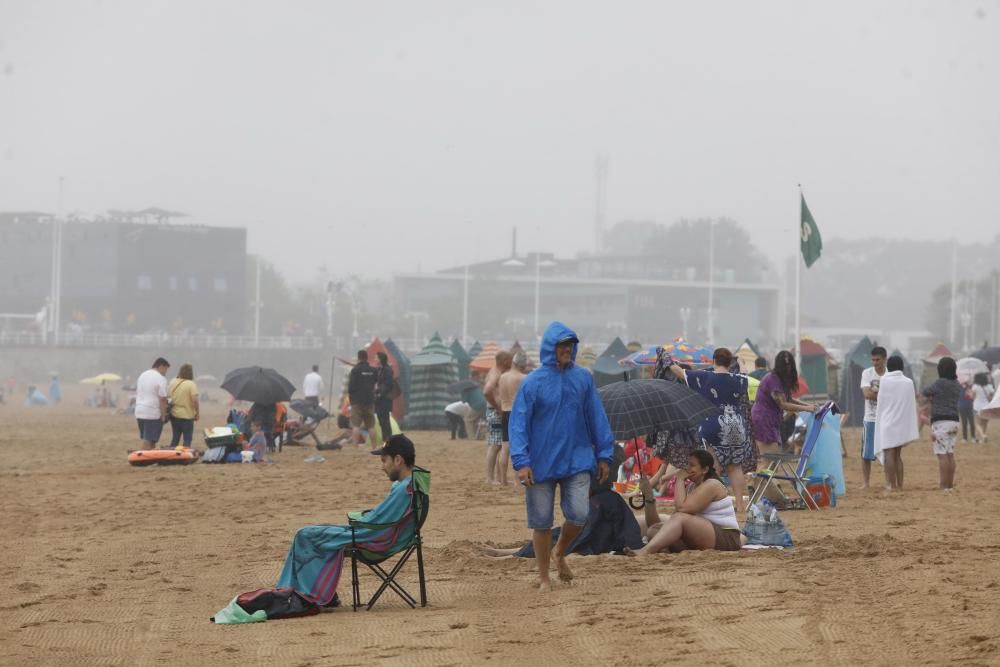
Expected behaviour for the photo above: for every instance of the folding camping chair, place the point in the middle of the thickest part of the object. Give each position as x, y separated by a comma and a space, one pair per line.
787, 468
375, 560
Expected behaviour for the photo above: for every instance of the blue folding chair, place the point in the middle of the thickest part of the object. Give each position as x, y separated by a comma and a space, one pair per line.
792, 467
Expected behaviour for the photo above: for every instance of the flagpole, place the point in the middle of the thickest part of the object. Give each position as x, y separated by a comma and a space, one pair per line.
798, 290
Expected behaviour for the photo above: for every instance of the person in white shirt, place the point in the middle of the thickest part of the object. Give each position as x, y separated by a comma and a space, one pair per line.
456, 413
151, 408
982, 394
870, 379
312, 386
895, 421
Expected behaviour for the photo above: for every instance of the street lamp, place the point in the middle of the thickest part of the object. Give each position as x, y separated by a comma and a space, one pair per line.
966, 321
710, 338
685, 316
539, 263
416, 317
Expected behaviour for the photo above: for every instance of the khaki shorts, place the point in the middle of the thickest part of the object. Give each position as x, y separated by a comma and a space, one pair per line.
362, 415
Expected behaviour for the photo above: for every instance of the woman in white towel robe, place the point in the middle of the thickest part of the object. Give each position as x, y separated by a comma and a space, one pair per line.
896, 422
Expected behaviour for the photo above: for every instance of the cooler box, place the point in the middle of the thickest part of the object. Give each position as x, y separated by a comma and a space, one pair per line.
820, 487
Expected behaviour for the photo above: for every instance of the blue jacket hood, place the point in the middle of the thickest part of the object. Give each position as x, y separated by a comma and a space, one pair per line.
554, 334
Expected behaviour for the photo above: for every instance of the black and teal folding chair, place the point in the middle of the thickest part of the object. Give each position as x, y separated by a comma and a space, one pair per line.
378, 561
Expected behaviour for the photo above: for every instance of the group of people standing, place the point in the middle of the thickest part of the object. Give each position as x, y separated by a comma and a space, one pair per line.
158, 402
371, 391
892, 420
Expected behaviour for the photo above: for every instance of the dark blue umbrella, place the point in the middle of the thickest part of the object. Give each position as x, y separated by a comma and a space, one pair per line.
260, 385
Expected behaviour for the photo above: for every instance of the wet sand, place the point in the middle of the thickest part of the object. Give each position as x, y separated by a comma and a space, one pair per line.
105, 564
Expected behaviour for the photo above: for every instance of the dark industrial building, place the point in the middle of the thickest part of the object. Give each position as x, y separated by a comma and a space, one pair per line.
129, 271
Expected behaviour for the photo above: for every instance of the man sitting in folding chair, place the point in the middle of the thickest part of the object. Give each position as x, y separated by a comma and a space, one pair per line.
792, 467
316, 557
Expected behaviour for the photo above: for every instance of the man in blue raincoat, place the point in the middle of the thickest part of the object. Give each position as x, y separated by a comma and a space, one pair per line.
559, 434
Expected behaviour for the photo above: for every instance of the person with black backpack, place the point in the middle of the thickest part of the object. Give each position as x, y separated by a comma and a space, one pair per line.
384, 395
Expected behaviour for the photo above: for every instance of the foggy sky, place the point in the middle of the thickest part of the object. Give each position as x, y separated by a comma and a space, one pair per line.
374, 137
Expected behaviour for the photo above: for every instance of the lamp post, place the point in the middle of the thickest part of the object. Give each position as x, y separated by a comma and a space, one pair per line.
685, 316
966, 320
539, 263
416, 317
465, 306
710, 334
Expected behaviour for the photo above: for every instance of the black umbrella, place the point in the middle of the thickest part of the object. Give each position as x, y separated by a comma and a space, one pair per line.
990, 355
640, 407
260, 385
457, 388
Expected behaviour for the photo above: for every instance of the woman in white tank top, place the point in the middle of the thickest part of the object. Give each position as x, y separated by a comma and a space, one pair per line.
703, 519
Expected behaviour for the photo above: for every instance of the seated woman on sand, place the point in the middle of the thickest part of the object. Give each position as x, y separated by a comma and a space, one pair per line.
703, 519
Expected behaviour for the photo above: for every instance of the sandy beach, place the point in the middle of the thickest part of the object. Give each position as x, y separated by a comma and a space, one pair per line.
106, 564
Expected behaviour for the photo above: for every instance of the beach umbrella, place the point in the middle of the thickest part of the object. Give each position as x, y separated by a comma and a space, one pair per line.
992, 411
970, 367
259, 385
206, 378
640, 407
457, 388
102, 378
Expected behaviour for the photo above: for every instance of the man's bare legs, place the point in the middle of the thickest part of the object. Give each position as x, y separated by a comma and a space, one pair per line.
503, 463
566, 536
866, 473
492, 451
946, 471
894, 468
542, 541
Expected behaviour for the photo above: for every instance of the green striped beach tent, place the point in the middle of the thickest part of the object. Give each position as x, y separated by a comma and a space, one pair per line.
462, 358
433, 369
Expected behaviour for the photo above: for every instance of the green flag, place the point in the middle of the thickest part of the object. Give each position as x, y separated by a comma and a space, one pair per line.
810, 240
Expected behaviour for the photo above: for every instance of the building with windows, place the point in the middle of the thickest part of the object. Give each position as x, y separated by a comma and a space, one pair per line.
126, 272
600, 297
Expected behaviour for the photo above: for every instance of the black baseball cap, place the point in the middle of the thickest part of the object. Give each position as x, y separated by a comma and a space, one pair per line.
398, 444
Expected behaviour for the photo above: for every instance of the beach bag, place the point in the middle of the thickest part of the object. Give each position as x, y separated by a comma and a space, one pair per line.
279, 603
763, 526
214, 455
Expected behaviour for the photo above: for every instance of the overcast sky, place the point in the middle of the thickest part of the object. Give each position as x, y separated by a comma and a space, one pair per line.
385, 136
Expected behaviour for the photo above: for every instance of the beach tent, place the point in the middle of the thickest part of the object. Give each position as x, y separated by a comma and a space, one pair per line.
814, 366
486, 359
928, 374
405, 373
434, 368
851, 401
606, 369
462, 358
586, 357
475, 349
907, 368
747, 354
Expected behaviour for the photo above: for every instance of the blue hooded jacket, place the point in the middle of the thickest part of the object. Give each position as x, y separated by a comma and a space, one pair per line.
558, 426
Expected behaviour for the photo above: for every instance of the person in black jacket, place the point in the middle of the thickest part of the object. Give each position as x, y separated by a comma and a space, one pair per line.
383, 395
361, 394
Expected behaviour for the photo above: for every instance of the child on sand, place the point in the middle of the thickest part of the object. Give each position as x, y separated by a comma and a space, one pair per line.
258, 441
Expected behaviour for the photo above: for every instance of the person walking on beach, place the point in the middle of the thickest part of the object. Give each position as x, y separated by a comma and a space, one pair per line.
151, 403
312, 386
870, 379
966, 413
383, 395
559, 436
361, 394
943, 395
184, 406
895, 420
510, 384
494, 416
